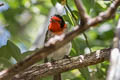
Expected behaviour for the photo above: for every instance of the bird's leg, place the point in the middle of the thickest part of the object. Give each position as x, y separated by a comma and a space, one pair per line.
67, 57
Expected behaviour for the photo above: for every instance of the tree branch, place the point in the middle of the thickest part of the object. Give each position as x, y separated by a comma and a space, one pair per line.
105, 15
38, 71
51, 47
83, 15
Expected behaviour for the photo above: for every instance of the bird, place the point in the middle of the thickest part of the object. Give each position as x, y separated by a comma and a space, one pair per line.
57, 26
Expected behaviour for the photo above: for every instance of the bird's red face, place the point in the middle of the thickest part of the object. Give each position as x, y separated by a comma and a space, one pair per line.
57, 25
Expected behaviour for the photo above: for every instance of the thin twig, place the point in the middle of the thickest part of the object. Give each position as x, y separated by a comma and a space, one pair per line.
71, 11
87, 43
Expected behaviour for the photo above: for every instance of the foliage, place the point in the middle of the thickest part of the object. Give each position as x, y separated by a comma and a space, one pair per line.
21, 20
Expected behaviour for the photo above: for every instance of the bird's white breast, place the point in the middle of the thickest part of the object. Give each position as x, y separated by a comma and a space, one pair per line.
60, 53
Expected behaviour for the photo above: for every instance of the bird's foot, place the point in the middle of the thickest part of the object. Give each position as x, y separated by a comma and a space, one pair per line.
66, 57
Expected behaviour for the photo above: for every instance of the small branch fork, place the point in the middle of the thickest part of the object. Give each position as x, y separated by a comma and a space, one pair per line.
38, 71
58, 42
84, 16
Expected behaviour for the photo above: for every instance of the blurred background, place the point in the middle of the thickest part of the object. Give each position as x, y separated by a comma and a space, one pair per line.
23, 24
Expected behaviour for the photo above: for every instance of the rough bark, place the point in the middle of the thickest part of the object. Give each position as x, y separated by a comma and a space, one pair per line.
42, 70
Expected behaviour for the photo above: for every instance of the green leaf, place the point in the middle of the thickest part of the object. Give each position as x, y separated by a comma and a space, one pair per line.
15, 51
78, 45
4, 63
102, 4
85, 73
68, 19
25, 54
97, 48
76, 14
72, 75
88, 4
10, 50
99, 6
4, 52
54, 2
100, 74
73, 51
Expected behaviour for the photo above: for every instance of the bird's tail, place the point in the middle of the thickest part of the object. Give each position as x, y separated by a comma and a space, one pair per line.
57, 76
